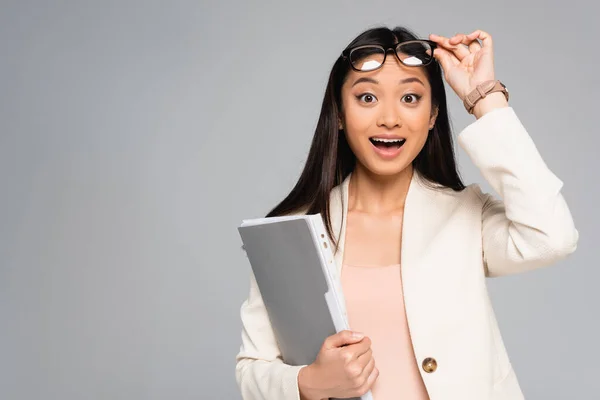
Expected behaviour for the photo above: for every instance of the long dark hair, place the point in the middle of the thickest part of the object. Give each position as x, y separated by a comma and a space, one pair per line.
330, 159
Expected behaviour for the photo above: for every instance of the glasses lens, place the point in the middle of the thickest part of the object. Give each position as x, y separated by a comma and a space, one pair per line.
415, 53
367, 58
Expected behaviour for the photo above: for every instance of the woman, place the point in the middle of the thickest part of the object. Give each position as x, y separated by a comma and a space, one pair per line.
414, 244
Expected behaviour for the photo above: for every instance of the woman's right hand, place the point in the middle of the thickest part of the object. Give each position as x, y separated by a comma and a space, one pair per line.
344, 368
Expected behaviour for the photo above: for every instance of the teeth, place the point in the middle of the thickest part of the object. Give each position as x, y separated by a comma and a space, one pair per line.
388, 140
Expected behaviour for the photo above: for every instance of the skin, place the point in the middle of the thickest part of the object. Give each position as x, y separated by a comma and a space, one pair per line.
345, 366
395, 100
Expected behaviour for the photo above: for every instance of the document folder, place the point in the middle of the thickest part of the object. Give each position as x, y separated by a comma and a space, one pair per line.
293, 262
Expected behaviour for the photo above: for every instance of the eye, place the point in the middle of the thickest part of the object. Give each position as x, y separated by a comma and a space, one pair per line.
411, 97
368, 97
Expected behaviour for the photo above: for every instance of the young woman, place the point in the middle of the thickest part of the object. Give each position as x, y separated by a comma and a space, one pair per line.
413, 243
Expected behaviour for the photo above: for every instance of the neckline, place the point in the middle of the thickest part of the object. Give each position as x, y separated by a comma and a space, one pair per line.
367, 266
413, 187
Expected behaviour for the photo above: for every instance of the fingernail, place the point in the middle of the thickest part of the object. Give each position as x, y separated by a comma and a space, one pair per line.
357, 335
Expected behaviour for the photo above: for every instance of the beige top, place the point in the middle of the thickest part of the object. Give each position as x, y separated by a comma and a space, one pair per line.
375, 306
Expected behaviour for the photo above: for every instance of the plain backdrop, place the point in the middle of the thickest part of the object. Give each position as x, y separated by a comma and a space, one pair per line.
136, 135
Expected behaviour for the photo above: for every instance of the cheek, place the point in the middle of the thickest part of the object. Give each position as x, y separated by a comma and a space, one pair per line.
359, 122
359, 118
417, 128
417, 121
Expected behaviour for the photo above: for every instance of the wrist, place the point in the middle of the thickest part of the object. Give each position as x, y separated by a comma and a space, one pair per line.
307, 385
491, 102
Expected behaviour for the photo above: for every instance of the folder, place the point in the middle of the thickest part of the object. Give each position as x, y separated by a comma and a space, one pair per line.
295, 269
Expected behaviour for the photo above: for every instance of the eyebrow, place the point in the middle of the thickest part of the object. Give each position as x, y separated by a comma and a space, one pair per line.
371, 80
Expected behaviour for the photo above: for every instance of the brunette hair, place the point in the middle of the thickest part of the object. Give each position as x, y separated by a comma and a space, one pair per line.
330, 159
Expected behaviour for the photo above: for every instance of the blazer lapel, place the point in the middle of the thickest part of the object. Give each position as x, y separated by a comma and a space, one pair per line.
425, 212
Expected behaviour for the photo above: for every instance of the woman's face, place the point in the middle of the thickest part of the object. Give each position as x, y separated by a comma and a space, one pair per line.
393, 105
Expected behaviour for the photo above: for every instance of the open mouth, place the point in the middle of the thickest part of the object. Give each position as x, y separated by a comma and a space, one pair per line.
387, 144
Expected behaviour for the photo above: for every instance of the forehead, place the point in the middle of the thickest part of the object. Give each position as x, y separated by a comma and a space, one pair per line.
392, 71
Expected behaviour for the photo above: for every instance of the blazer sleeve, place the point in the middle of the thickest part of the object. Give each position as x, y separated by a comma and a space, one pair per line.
532, 226
260, 372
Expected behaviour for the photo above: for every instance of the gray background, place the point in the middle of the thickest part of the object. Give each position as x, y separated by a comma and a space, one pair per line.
135, 136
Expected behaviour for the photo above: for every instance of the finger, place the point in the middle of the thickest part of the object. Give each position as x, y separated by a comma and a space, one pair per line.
445, 58
358, 349
444, 55
474, 46
342, 338
485, 37
361, 379
452, 44
365, 358
353, 352
456, 39
368, 369
370, 380
469, 40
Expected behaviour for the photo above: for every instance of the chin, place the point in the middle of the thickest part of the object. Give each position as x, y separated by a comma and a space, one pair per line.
387, 169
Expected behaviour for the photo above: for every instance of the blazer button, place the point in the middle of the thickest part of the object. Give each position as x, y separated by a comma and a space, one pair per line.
429, 365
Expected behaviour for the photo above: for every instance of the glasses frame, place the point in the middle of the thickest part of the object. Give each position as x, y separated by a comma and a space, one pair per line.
347, 53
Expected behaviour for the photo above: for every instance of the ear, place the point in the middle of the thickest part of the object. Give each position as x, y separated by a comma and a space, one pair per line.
433, 117
340, 122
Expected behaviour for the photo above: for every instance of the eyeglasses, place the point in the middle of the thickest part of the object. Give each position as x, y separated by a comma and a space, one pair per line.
414, 53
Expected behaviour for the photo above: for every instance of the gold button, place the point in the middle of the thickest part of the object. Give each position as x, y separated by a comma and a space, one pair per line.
429, 365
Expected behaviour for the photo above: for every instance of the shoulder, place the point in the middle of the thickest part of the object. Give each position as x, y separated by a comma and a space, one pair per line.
471, 196
473, 192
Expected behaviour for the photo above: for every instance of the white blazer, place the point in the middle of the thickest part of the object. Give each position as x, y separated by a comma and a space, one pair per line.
451, 241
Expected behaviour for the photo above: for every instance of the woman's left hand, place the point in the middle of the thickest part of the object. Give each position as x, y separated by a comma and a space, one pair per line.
466, 63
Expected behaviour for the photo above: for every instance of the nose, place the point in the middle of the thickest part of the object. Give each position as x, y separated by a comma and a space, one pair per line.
389, 116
